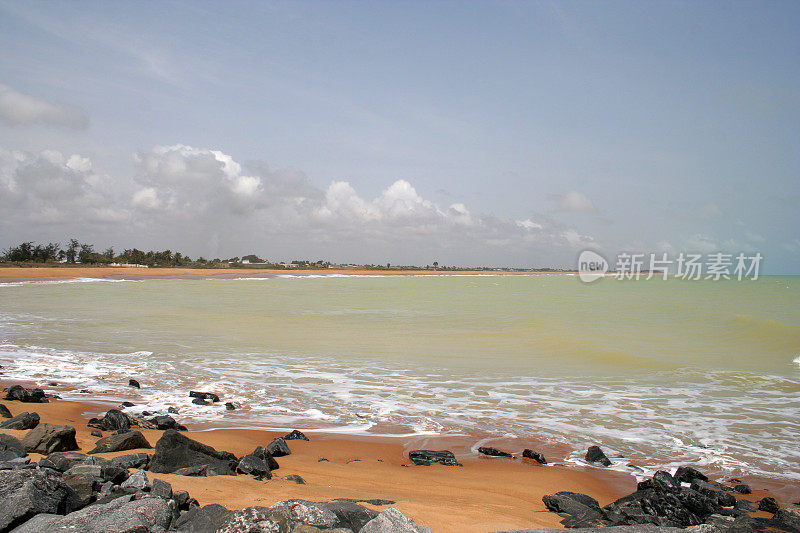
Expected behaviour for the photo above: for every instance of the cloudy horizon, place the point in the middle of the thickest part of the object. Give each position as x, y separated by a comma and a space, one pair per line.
483, 135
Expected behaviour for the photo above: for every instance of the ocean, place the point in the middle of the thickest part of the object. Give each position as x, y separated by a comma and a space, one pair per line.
659, 373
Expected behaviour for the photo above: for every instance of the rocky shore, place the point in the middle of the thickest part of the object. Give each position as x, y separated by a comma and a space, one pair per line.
104, 475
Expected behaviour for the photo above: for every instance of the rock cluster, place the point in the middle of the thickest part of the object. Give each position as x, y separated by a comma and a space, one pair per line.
665, 502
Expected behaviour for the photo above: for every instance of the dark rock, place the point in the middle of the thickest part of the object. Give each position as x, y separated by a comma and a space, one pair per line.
48, 438
769, 505
428, 457
743, 488
295, 435
164, 422
84, 486
229, 406
123, 405
664, 508
661, 480
297, 479
391, 520
130, 440
493, 452
262, 452
62, 461
745, 505
113, 420
16, 463
572, 503
122, 515
96, 433
162, 489
725, 499
687, 474
121, 431
175, 451
4, 412
204, 396
536, 456
134, 383
200, 401
10, 448
137, 481
104, 470
595, 455
181, 497
254, 466
21, 421
173, 410
351, 515
202, 519
21, 394
278, 448
132, 460
196, 471
787, 518
26, 493
324, 460
374, 501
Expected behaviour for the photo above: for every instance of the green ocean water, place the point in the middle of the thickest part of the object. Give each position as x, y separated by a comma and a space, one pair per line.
674, 371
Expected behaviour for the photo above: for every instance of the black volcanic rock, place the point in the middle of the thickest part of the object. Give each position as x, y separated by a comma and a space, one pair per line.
769, 505
62, 461
687, 474
48, 438
132, 460
21, 394
428, 457
10, 447
4, 412
493, 452
536, 456
254, 466
278, 448
28, 492
595, 455
118, 442
295, 435
134, 383
204, 396
175, 451
266, 456
24, 420
113, 420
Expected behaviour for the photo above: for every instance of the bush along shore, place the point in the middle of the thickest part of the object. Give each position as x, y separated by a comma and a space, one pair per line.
68, 490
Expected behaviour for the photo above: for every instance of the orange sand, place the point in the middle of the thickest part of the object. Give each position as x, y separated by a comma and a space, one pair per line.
485, 495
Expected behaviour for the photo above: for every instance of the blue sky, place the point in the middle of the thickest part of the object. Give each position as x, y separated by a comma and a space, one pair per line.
503, 133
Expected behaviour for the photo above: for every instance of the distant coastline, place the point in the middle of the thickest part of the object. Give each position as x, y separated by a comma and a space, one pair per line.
41, 271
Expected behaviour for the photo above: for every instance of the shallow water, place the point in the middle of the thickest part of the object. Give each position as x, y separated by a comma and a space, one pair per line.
661, 372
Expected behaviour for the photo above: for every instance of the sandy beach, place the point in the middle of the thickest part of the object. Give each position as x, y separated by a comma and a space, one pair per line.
486, 494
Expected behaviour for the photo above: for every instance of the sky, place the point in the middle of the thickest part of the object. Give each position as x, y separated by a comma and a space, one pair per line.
468, 133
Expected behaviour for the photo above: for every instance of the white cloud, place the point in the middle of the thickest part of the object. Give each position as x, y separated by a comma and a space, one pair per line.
146, 198
529, 224
576, 201
18, 109
701, 243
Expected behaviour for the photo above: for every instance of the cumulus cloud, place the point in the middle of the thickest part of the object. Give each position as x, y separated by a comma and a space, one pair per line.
576, 201
203, 201
51, 188
18, 109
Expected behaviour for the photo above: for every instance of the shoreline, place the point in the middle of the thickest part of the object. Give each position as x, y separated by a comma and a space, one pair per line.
52, 273
486, 494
